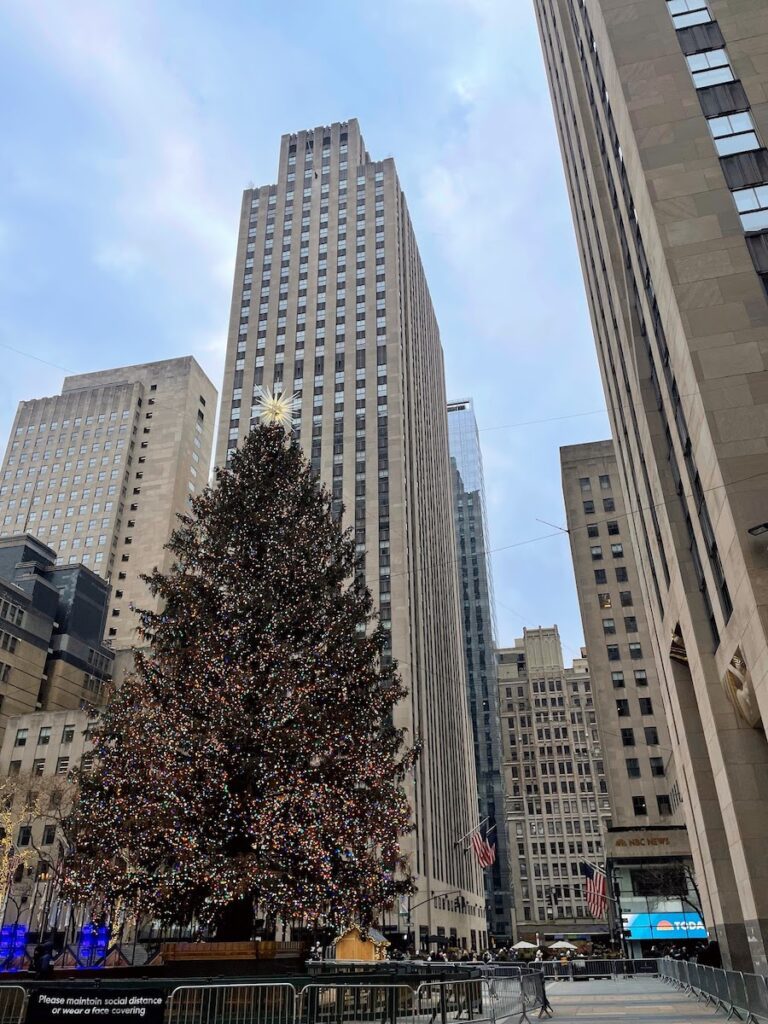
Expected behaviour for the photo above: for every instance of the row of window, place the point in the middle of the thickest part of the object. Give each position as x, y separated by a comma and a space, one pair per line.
44, 735
623, 710
11, 612
630, 625
62, 765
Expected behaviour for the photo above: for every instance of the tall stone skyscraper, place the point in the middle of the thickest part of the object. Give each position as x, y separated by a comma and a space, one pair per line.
662, 114
99, 472
330, 302
479, 623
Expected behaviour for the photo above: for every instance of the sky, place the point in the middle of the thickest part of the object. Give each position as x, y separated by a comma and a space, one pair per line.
131, 128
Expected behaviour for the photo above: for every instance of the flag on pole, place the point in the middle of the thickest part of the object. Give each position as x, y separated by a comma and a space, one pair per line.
484, 852
595, 889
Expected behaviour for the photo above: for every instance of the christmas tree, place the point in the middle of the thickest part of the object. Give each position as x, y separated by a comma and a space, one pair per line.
251, 757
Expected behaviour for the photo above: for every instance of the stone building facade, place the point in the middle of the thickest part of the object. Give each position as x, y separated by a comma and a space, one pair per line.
100, 472
662, 112
557, 802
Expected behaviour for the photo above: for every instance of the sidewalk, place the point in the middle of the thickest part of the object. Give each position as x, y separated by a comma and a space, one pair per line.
625, 1001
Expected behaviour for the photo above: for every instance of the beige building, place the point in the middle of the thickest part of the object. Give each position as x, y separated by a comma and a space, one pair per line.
555, 784
38, 754
330, 301
100, 472
51, 627
629, 700
662, 113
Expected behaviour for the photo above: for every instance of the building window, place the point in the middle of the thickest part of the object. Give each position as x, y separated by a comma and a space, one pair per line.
21, 737
752, 204
14, 768
733, 133
630, 623
664, 804
605, 483
44, 736
710, 68
628, 737
626, 598
617, 550
593, 531
641, 677
604, 600
597, 553
621, 574
688, 12
646, 706
613, 652
600, 576
49, 834
657, 767
38, 766
25, 835
633, 767
613, 528
622, 708
609, 626
585, 484
67, 734
617, 678
635, 651
639, 806
62, 765
589, 508
609, 505
652, 736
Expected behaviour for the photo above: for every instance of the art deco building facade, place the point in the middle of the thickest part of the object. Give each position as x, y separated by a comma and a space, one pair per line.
662, 115
100, 471
478, 621
647, 854
554, 778
330, 301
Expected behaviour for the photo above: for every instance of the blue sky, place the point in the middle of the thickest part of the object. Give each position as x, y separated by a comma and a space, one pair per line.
130, 130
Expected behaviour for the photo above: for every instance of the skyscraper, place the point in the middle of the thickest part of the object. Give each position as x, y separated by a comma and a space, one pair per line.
662, 116
99, 472
646, 844
557, 796
478, 620
330, 302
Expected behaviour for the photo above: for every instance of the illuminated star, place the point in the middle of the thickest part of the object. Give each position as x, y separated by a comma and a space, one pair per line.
276, 407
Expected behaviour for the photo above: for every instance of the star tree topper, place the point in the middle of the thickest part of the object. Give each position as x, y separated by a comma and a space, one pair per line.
276, 407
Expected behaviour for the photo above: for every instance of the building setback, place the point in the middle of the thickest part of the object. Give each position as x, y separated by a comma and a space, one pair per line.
51, 628
662, 115
554, 778
330, 301
478, 621
100, 472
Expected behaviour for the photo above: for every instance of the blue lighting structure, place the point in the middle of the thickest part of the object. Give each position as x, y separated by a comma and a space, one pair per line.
669, 926
13, 946
92, 945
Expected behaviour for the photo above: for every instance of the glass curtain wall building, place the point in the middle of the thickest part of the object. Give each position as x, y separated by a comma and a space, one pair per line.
479, 634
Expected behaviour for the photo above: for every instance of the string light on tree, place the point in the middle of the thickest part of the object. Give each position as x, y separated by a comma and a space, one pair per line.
251, 757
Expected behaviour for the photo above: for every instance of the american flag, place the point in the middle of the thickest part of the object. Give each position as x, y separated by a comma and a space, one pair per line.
485, 853
595, 889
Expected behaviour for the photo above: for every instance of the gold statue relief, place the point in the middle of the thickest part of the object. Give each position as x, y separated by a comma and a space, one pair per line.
741, 693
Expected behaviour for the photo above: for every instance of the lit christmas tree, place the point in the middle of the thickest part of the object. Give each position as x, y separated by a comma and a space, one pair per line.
251, 757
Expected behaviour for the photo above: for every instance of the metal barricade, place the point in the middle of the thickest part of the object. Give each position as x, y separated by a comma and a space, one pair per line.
13, 1004
394, 1004
757, 996
273, 1003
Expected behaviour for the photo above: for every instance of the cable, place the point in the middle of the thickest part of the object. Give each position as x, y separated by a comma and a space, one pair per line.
20, 352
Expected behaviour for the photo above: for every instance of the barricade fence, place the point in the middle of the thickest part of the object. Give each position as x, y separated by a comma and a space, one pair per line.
738, 994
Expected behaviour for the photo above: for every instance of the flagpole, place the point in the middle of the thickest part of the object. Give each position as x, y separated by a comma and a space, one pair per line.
471, 832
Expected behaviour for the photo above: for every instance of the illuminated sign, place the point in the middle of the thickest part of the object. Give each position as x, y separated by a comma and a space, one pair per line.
664, 927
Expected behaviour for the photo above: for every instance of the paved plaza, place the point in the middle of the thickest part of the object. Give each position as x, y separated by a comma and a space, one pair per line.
626, 1001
